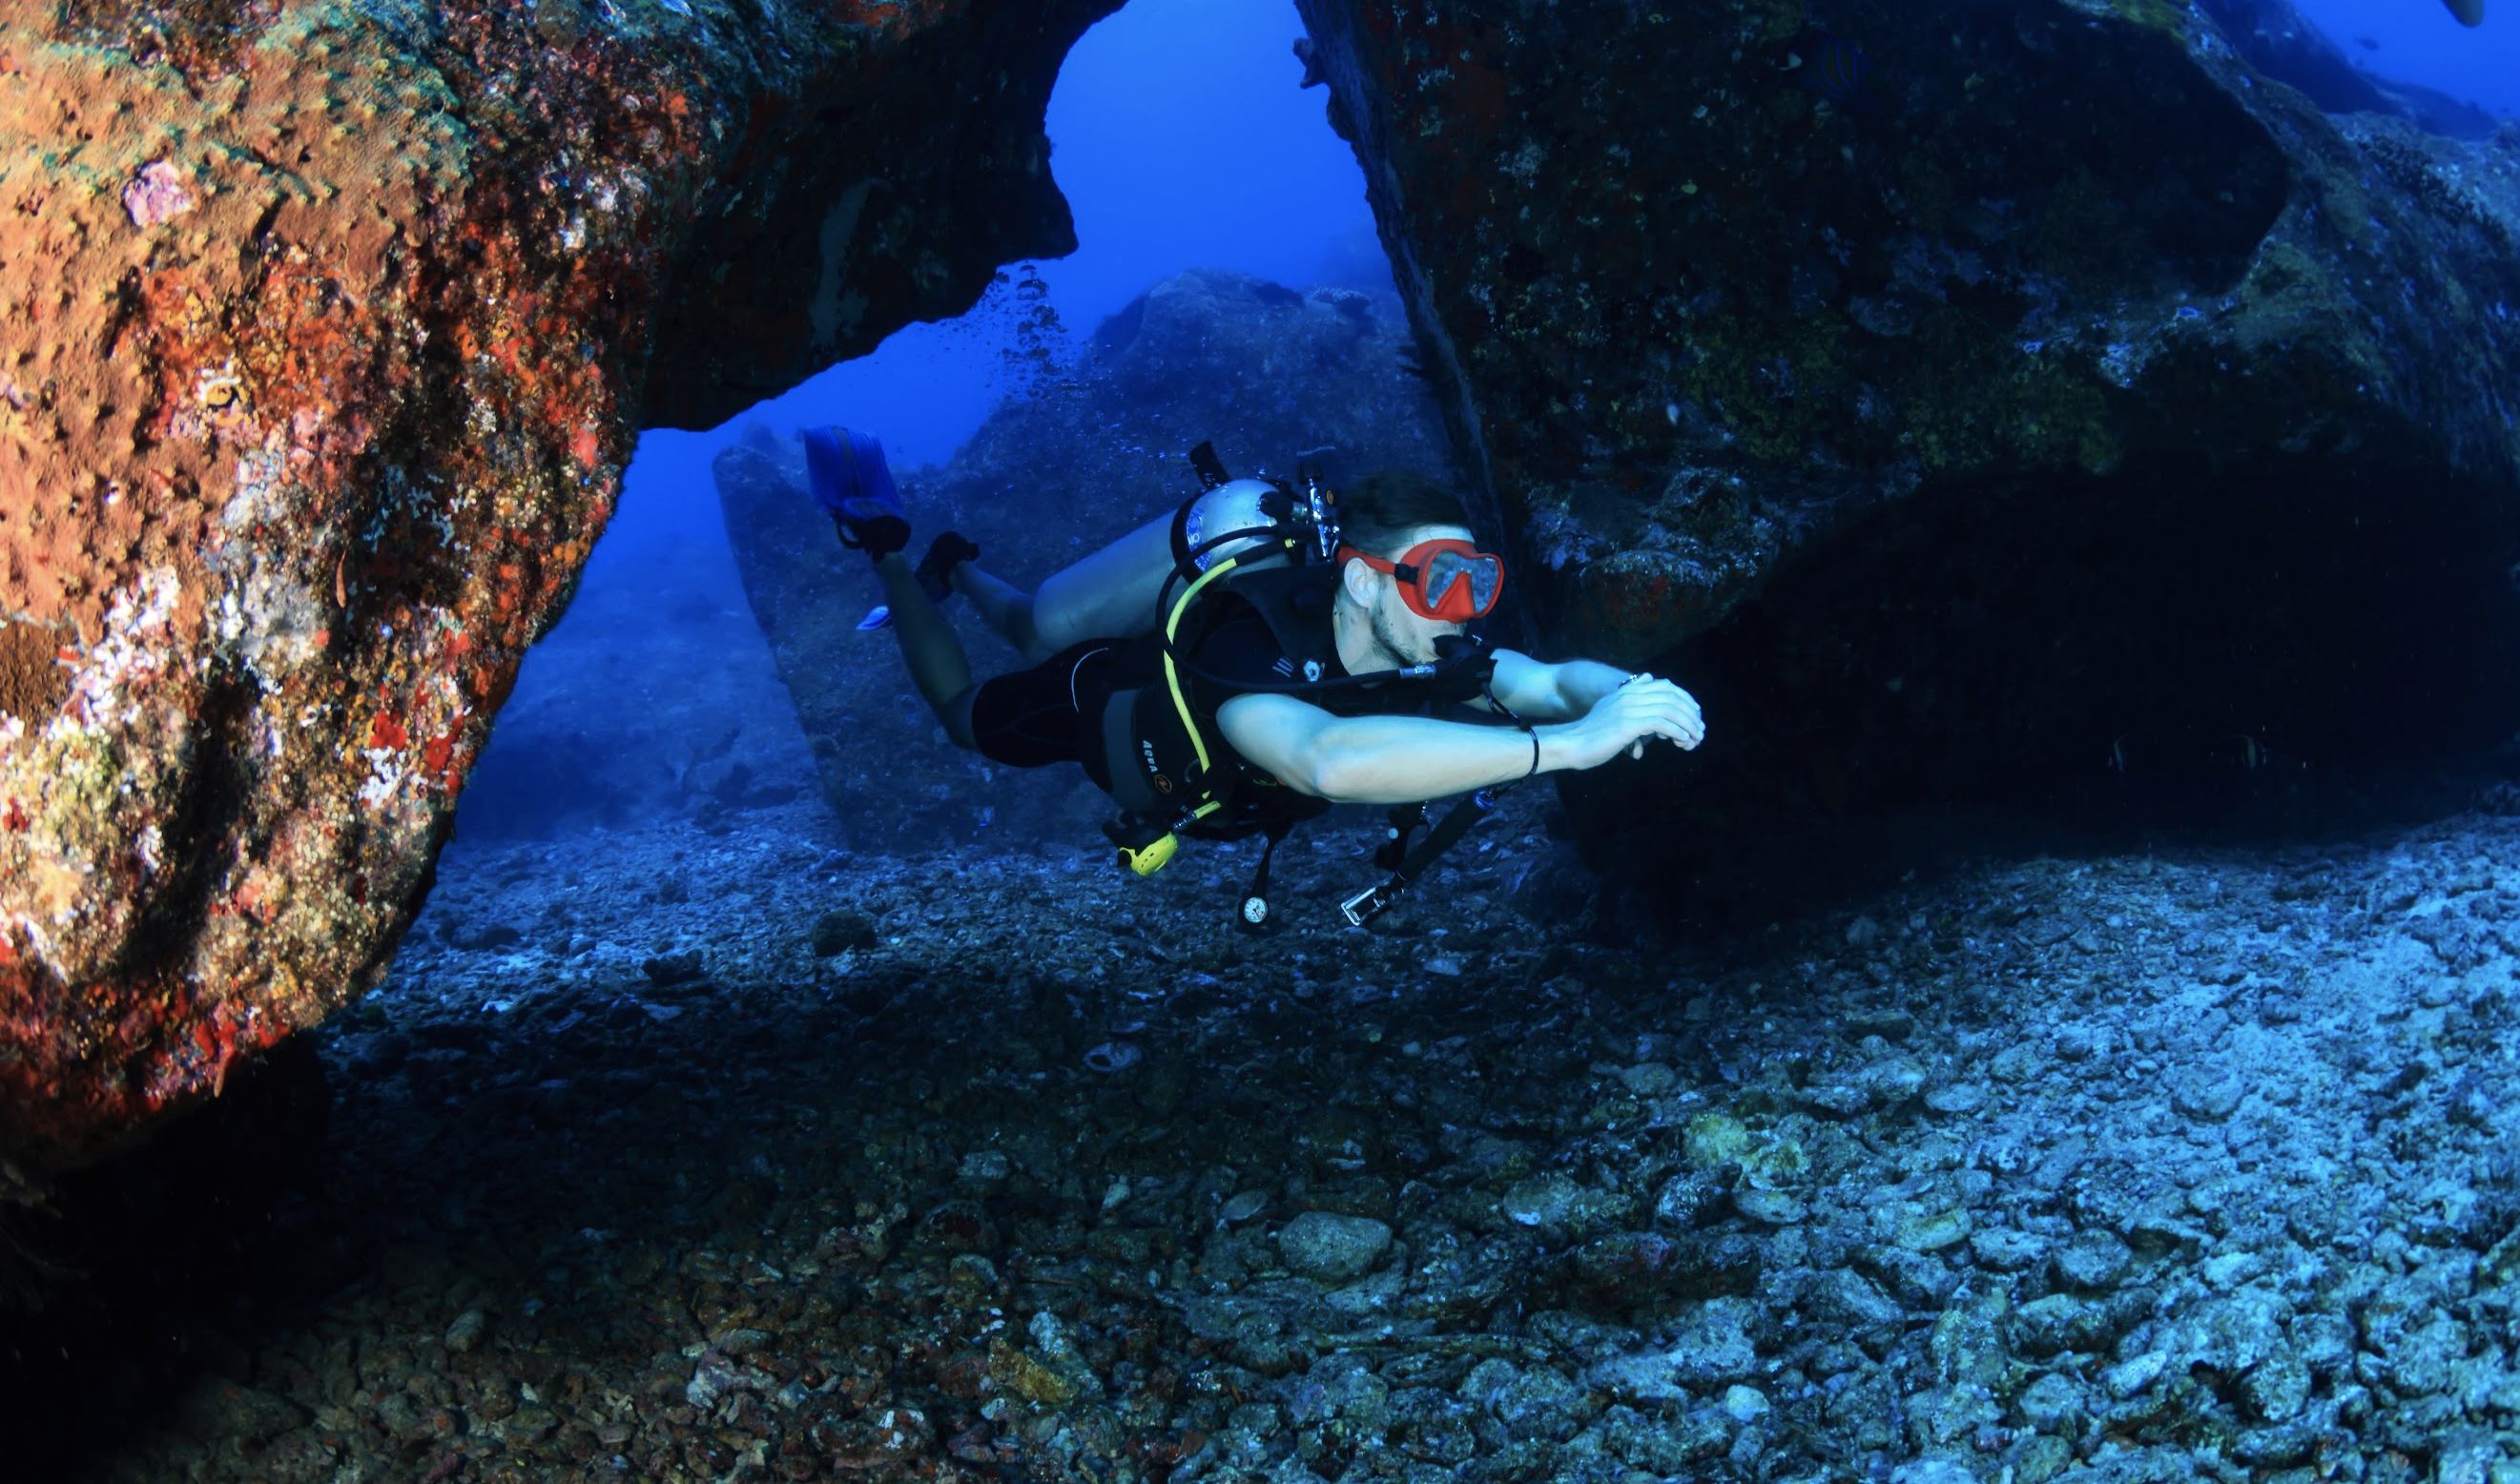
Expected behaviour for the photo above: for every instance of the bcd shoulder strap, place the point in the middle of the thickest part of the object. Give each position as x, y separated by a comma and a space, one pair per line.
1295, 602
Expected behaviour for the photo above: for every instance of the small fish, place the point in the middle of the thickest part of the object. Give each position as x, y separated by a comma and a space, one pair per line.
1838, 72
678, 7
2468, 11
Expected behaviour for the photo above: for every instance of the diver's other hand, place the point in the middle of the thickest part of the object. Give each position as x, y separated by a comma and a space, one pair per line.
1624, 721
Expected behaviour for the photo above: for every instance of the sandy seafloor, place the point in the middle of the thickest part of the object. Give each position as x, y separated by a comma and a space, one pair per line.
2188, 1164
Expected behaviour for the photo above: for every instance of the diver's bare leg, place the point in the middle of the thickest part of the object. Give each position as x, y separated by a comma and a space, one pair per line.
1004, 608
937, 664
1109, 595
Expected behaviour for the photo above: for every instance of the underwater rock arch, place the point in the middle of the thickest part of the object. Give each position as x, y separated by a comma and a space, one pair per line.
326, 328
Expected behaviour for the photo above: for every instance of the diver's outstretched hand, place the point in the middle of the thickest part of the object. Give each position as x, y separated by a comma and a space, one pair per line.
1625, 720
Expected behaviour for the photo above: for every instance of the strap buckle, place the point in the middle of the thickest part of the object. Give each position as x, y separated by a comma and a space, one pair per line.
1371, 903
1406, 866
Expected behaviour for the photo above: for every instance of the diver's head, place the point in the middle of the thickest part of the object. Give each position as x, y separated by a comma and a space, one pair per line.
1410, 571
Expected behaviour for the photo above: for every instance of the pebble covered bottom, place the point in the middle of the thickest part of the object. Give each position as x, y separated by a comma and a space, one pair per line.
669, 1155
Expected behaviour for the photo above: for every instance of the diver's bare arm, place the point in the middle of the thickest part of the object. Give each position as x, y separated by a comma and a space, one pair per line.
1400, 759
1561, 692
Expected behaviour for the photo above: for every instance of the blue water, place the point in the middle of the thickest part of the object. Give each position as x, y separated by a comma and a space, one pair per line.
1182, 138
2420, 41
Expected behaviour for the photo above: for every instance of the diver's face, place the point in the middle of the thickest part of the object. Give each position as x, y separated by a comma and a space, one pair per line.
1399, 629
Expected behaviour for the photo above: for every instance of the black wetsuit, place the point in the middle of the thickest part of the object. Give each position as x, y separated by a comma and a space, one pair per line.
1052, 712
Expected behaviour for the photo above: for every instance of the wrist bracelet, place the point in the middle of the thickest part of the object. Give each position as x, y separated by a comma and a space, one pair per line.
1528, 730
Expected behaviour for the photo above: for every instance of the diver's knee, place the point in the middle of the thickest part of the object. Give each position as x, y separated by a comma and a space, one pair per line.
1061, 628
1038, 645
1025, 635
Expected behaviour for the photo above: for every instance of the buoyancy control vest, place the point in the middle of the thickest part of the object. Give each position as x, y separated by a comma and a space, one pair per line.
1167, 765
1170, 771
1161, 747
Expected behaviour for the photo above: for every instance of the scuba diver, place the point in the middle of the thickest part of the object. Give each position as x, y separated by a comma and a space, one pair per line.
1266, 651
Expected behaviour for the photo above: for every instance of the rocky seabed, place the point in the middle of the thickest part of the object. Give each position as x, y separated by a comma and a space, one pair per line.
681, 1155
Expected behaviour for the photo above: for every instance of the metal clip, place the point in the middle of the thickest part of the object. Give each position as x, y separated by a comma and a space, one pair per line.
1367, 905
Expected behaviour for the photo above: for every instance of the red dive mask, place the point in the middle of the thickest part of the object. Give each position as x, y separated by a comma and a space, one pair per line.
1448, 581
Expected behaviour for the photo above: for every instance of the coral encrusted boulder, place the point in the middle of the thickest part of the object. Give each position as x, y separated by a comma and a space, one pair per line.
325, 330
1959, 394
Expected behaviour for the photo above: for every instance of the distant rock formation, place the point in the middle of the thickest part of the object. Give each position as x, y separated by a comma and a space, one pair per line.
653, 695
324, 332
1263, 371
1968, 398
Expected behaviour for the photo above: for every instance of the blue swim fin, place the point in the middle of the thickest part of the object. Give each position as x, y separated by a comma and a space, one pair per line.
850, 479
